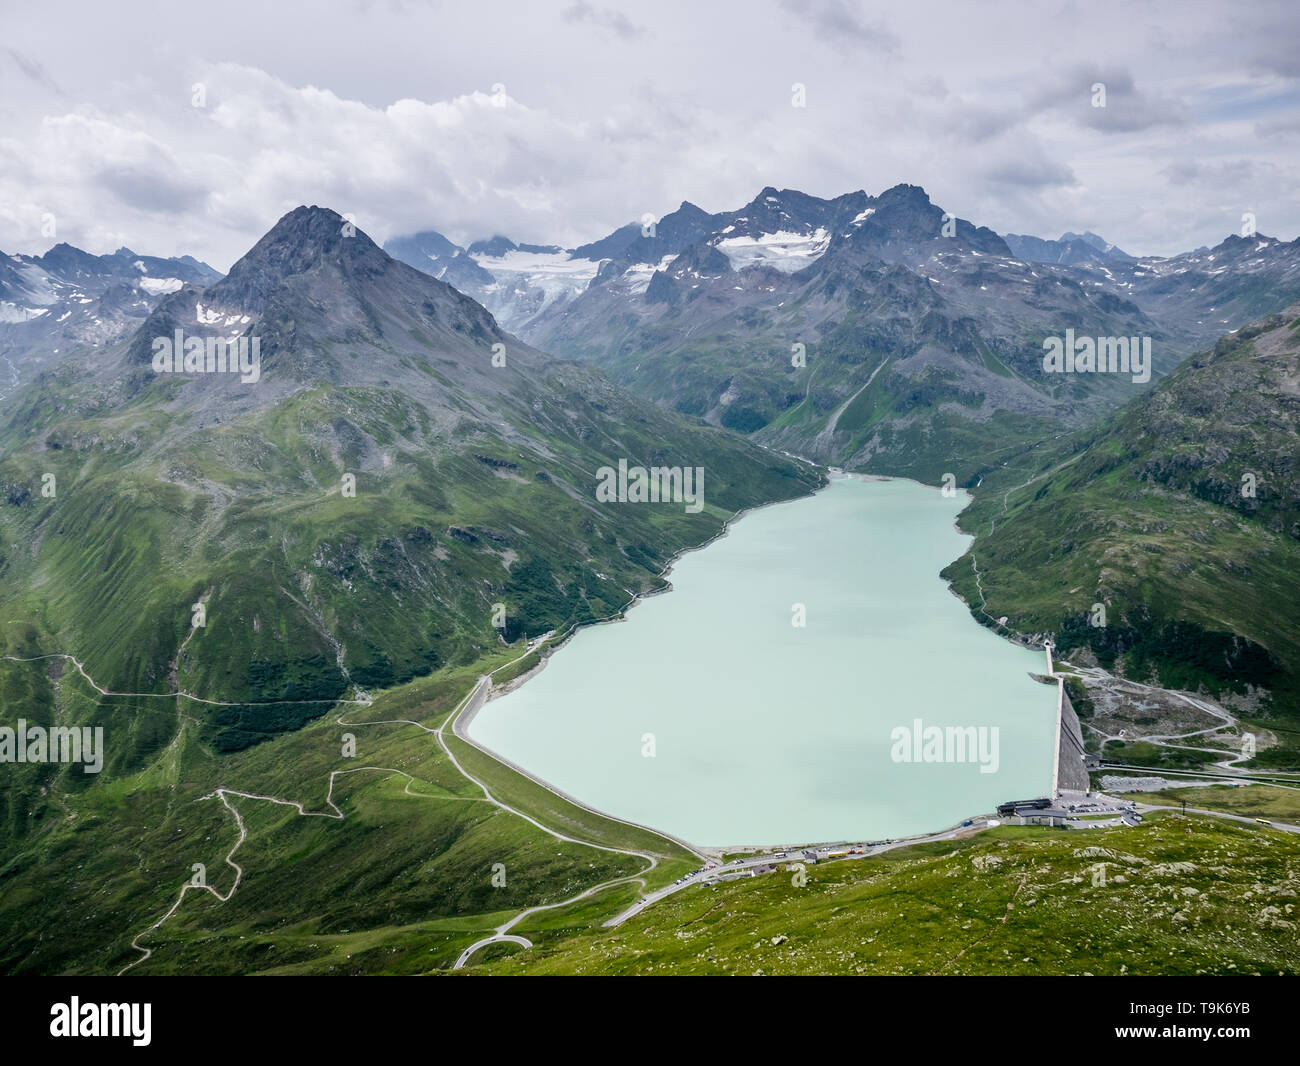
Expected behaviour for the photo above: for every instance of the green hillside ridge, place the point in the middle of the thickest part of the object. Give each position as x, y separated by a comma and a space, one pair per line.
474, 485
1145, 514
408, 865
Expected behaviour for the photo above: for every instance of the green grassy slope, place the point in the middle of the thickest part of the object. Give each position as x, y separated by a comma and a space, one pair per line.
1193, 896
402, 883
1146, 516
474, 487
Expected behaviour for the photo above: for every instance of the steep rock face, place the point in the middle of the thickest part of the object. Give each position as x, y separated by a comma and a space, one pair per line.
315, 293
302, 241
904, 226
775, 320
776, 317
434, 254
872, 332
516, 282
771, 320
1071, 249
669, 235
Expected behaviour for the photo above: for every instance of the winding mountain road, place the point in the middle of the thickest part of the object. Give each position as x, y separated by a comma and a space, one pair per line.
476, 695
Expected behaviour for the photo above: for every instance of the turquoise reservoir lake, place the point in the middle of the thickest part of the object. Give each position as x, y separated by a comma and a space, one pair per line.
765, 732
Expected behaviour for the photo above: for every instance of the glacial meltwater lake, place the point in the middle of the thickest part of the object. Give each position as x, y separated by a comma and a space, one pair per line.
768, 733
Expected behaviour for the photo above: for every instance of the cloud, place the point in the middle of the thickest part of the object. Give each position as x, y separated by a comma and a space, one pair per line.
1105, 98
842, 24
146, 189
1273, 32
1280, 55
1280, 127
473, 165
35, 72
390, 114
1019, 160
604, 18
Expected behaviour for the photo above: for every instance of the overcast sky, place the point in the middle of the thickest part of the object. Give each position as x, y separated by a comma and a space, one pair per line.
557, 122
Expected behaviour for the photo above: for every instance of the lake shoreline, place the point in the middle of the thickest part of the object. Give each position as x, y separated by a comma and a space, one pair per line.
558, 758
621, 616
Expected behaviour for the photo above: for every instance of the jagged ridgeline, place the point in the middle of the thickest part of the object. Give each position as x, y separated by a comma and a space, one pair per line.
347, 516
1178, 516
67, 299
878, 333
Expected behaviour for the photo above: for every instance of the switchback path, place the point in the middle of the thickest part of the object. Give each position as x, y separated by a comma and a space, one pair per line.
223, 794
475, 699
479, 691
1224, 719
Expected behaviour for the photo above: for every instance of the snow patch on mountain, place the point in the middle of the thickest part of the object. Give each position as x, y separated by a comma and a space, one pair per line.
17, 313
636, 278
530, 282
783, 250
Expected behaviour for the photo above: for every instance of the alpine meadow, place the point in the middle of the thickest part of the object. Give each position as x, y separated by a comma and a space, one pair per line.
594, 489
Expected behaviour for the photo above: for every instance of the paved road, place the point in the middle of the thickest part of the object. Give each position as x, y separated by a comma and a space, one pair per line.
472, 702
1248, 820
1278, 779
711, 874
499, 938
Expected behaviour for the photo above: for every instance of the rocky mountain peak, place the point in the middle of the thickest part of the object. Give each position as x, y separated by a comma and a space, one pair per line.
298, 242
